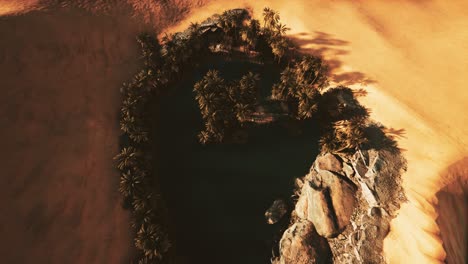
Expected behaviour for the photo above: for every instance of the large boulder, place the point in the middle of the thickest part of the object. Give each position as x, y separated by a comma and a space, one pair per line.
301, 244
276, 211
328, 201
329, 162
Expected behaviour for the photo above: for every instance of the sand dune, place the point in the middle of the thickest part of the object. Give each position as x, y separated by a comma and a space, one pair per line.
60, 72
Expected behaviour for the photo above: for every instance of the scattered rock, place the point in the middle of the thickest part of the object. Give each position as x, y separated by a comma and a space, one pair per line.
301, 244
276, 211
329, 162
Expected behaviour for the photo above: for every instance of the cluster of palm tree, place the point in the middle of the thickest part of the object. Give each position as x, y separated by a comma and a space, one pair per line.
274, 33
250, 34
223, 105
301, 85
345, 136
240, 30
136, 186
339, 103
345, 122
231, 22
152, 240
134, 160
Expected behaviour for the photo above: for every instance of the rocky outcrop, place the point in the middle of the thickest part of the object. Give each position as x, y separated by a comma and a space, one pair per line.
348, 201
301, 244
329, 162
327, 199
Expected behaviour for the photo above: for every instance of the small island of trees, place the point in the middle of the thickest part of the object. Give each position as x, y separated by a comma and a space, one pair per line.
226, 106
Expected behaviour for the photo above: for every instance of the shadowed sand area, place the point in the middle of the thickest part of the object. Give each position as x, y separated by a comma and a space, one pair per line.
60, 75
60, 70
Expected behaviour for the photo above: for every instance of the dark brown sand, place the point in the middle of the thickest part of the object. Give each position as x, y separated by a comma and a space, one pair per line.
60, 76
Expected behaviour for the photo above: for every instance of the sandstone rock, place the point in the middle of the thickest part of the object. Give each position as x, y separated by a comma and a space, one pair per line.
301, 244
374, 230
329, 162
348, 170
328, 207
276, 211
328, 199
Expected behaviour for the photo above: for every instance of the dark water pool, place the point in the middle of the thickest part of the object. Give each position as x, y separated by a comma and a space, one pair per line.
217, 195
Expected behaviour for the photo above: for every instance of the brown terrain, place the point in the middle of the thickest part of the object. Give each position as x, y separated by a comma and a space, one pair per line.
60, 70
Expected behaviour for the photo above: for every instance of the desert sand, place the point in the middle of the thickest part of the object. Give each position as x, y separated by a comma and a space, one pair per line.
60, 71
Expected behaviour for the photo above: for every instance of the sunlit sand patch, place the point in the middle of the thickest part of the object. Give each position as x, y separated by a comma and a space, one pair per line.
8, 7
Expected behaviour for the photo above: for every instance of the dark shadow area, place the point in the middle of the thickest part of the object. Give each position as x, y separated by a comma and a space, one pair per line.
326, 43
217, 194
453, 212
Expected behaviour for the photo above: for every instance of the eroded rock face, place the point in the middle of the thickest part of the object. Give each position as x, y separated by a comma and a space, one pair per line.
329, 162
301, 244
327, 200
349, 201
276, 211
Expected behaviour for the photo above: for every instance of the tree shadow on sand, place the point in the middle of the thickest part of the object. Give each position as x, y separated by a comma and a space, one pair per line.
330, 48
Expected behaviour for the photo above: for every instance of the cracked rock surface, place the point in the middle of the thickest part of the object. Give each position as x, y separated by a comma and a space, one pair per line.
344, 208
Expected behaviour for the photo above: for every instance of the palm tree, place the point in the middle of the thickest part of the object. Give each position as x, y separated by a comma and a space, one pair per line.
345, 135
144, 217
139, 136
251, 33
132, 182
242, 111
127, 122
143, 201
300, 86
279, 47
204, 137
152, 240
270, 18
312, 71
308, 99
194, 28
150, 48
281, 29
286, 88
127, 158
248, 86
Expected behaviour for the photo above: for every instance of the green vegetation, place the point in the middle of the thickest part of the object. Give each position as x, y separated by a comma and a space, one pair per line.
300, 86
225, 106
134, 161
